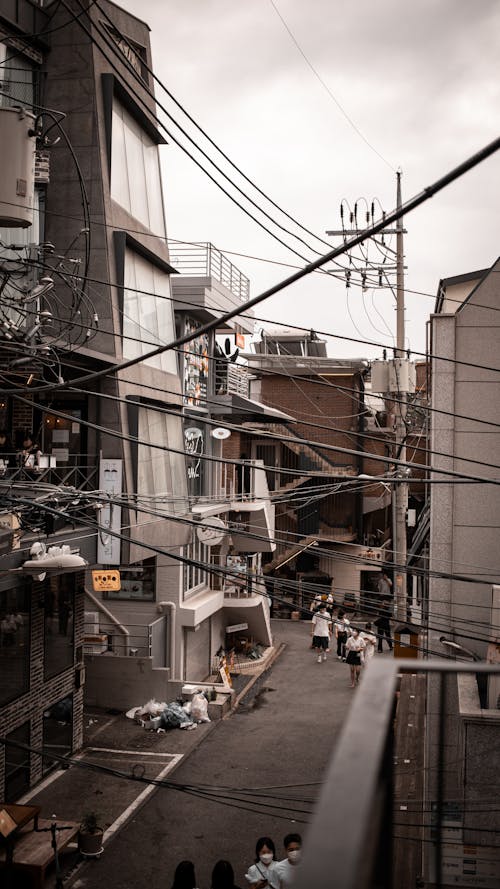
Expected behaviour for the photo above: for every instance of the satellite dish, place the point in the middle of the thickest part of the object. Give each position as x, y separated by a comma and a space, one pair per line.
220, 433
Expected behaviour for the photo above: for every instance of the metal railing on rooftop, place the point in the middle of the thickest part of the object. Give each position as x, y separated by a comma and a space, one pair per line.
389, 815
205, 261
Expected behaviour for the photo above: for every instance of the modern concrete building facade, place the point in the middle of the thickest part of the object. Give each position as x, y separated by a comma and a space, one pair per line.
124, 479
465, 565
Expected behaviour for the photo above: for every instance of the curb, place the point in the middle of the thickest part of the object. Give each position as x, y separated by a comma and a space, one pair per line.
254, 679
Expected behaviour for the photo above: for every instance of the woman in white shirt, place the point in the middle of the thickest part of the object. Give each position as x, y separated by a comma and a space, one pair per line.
354, 648
370, 640
262, 874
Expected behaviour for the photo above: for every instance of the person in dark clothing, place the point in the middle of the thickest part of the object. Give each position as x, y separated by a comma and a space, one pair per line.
7, 453
223, 876
184, 877
383, 625
29, 456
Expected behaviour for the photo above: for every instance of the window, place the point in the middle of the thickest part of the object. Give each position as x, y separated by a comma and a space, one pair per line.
148, 318
14, 643
17, 763
135, 170
58, 730
161, 474
137, 583
58, 631
17, 79
194, 576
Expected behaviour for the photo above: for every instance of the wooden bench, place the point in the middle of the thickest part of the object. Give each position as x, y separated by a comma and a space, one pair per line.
33, 851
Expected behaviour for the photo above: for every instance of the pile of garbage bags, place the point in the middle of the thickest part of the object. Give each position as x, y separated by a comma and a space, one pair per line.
162, 717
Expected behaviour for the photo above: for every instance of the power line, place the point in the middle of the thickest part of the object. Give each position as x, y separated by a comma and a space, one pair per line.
425, 195
265, 435
326, 87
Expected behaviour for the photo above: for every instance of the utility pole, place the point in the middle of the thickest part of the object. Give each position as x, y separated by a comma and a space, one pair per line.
395, 378
400, 491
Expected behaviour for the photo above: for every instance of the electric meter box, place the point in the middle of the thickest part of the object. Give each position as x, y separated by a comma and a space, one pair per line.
17, 182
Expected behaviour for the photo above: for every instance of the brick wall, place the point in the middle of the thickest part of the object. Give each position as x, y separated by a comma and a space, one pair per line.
317, 401
43, 693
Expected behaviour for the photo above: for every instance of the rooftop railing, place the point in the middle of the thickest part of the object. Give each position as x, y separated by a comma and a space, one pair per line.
206, 261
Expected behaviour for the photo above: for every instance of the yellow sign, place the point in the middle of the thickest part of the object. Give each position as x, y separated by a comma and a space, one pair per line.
106, 580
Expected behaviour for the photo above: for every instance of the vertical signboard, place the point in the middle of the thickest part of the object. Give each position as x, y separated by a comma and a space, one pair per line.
194, 442
110, 517
196, 365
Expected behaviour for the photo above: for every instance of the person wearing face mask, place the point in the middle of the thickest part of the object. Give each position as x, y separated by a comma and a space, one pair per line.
355, 646
262, 874
286, 869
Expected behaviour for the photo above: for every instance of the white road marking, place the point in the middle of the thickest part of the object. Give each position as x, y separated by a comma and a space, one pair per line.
128, 752
108, 834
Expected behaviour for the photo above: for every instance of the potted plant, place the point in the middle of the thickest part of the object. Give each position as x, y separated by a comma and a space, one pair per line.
90, 835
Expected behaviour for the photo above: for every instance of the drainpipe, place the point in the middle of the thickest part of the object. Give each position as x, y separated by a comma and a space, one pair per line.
162, 606
114, 620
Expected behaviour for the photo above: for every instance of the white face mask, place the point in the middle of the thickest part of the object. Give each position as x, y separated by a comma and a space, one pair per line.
266, 857
294, 855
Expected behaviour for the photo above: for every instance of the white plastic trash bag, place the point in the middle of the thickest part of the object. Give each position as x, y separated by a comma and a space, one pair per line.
199, 708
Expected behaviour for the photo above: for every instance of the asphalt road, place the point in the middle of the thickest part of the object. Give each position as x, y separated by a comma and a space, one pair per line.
276, 745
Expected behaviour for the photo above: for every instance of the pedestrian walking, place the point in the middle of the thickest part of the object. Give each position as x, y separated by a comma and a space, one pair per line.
262, 874
342, 628
354, 649
287, 868
370, 640
184, 877
383, 625
223, 875
321, 629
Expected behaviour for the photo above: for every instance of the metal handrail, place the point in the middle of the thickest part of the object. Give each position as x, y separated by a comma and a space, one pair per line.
351, 832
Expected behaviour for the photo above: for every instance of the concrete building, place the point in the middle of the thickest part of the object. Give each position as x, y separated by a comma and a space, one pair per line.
89, 287
464, 603
330, 527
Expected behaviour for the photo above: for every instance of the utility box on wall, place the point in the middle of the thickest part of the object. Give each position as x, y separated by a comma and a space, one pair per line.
17, 182
395, 375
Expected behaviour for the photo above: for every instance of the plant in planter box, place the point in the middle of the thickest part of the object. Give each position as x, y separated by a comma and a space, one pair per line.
90, 834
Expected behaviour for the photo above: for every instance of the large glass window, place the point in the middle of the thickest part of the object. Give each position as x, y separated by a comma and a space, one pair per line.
135, 171
17, 79
148, 318
58, 730
14, 643
17, 763
58, 635
161, 473
137, 582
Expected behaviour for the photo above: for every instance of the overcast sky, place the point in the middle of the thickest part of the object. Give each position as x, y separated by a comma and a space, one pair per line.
420, 81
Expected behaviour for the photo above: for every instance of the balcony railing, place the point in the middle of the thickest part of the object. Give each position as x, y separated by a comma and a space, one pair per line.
231, 379
408, 799
206, 261
76, 473
106, 638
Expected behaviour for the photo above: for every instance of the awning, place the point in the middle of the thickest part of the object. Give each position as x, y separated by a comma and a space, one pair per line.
247, 410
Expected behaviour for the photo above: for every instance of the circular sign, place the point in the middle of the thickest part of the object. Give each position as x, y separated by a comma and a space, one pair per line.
211, 531
220, 432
